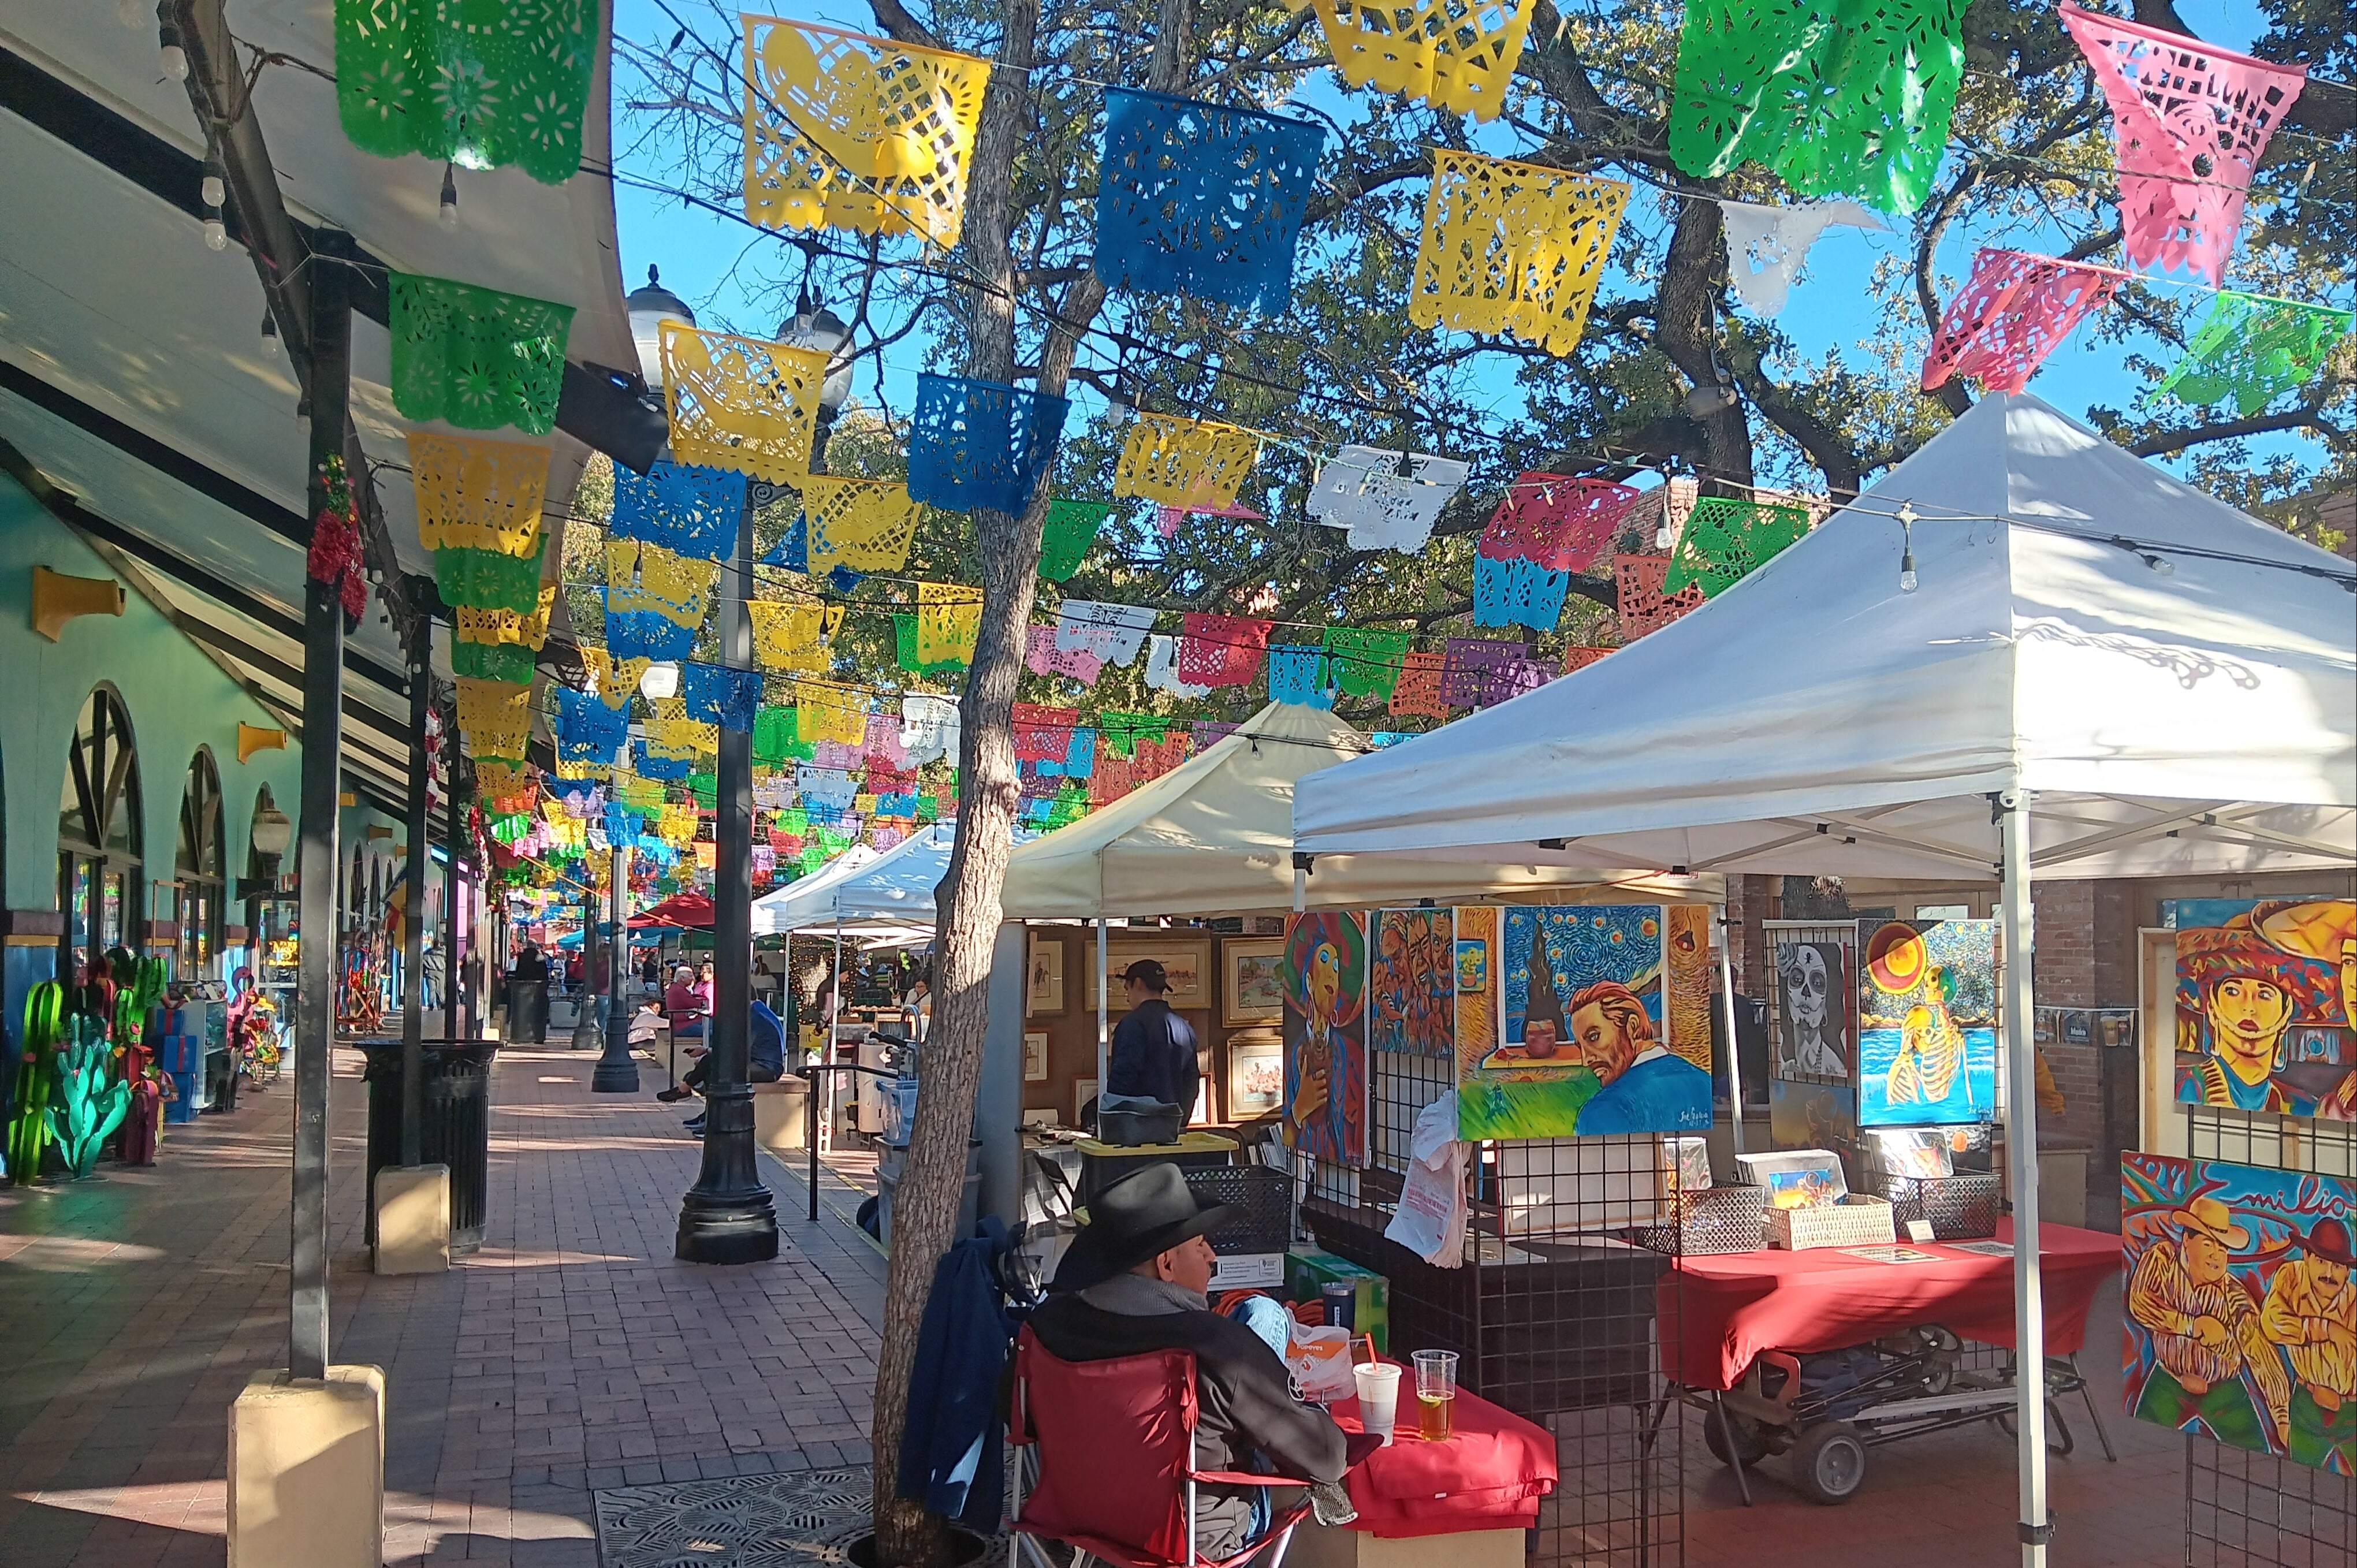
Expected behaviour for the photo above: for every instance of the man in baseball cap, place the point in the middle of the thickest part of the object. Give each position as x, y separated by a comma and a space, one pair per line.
2311, 1312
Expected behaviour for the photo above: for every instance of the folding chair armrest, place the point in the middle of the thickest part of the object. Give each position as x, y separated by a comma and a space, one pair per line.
1241, 1478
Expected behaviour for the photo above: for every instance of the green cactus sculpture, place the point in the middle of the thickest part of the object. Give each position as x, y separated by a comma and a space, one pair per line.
88, 1102
29, 1124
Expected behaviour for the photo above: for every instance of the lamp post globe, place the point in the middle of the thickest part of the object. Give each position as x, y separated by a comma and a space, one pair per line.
650, 307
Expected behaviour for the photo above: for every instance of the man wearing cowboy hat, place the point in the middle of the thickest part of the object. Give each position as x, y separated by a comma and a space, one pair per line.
2206, 1334
1133, 1282
2311, 1312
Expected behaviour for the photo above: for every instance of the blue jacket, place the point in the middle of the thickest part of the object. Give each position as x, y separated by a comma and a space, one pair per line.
1666, 1094
1153, 1057
951, 1455
765, 1043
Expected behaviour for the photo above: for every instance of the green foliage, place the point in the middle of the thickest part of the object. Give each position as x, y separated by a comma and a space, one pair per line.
87, 1100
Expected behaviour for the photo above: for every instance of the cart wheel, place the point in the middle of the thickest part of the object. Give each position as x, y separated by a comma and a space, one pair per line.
1750, 1440
1829, 1461
2059, 1440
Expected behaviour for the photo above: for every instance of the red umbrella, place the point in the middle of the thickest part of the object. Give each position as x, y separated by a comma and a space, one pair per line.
679, 909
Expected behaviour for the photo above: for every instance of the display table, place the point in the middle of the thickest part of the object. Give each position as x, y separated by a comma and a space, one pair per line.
1728, 1309
1464, 1503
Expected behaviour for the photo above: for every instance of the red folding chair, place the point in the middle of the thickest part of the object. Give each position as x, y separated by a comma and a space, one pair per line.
1111, 1445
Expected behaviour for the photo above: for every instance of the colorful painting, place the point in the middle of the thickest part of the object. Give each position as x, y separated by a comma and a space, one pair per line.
1687, 954
1811, 1115
1472, 965
1582, 1045
2264, 1000
1927, 1022
1256, 988
2241, 1319
1256, 1075
1814, 978
1326, 1078
1410, 989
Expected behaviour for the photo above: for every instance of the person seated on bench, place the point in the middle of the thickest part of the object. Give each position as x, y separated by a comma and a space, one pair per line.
765, 1063
1133, 1282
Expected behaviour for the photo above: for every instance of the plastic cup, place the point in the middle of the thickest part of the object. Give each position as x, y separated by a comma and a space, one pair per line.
1378, 1398
1435, 1394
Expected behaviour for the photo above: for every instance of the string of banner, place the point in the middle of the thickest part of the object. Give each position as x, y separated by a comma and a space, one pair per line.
846, 130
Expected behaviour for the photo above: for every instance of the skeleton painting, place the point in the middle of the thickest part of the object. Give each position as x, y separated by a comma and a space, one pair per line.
1816, 1041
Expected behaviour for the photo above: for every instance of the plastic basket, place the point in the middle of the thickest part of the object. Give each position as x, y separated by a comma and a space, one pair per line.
1264, 1197
1709, 1222
1961, 1207
1857, 1220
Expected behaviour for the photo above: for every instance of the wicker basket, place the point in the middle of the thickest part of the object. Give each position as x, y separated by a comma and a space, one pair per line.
1857, 1220
1961, 1207
1709, 1222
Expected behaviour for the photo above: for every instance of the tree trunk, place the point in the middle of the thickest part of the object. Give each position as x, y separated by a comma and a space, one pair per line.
925, 1207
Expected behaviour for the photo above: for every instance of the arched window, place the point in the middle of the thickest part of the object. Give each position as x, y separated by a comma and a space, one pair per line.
100, 833
198, 902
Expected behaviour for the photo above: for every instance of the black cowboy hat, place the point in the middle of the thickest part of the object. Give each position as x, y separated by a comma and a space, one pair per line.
1141, 1216
2329, 1238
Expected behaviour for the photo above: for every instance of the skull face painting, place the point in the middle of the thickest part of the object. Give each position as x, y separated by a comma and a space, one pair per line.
1816, 1022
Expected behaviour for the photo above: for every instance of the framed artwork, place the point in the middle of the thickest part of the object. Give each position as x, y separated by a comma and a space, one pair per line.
1472, 967
1911, 1151
1926, 1022
1043, 997
1254, 992
1411, 982
2263, 1255
1035, 1055
2266, 1006
2078, 1025
1256, 1075
1325, 1076
1812, 980
1798, 1179
1185, 963
1586, 1041
1083, 1090
2116, 1028
1811, 1115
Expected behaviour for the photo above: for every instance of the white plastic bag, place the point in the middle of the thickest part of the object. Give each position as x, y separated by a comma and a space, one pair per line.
1318, 1357
1431, 1218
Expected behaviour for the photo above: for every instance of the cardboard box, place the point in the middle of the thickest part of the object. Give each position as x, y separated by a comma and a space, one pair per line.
1308, 1269
1249, 1271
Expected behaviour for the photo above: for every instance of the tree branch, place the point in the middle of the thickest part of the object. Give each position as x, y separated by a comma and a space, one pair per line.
2169, 441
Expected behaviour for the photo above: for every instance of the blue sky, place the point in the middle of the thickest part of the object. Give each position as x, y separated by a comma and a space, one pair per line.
696, 250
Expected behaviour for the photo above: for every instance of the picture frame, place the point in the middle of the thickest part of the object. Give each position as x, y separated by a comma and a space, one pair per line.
1185, 960
1252, 990
1797, 1177
1043, 992
1035, 1055
1083, 1090
1255, 1085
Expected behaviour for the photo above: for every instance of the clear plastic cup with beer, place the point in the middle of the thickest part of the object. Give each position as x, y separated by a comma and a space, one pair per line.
1435, 1394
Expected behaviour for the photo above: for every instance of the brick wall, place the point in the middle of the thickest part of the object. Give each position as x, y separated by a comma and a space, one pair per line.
2064, 976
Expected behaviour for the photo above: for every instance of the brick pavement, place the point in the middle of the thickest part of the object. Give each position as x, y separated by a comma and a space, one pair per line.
572, 1352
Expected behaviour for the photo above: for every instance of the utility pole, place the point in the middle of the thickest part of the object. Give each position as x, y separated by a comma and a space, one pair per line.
726, 1218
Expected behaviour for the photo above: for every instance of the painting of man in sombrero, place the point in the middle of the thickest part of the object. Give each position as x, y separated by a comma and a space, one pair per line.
2264, 1001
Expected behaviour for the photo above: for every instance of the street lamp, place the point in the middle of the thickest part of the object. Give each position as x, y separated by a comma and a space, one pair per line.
815, 327
659, 682
650, 307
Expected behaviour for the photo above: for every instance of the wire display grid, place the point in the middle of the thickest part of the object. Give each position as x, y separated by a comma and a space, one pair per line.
2260, 1510
1552, 1312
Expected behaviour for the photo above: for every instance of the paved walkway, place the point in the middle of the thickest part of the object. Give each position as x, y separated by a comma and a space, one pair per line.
573, 1352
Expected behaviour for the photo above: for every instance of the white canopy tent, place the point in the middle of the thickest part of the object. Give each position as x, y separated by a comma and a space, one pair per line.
2101, 672
862, 887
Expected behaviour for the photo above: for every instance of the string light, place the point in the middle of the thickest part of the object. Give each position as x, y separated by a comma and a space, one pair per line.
175, 57
449, 212
1906, 554
269, 333
211, 191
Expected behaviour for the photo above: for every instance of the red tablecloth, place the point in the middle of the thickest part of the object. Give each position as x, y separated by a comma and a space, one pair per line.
1728, 1309
1490, 1474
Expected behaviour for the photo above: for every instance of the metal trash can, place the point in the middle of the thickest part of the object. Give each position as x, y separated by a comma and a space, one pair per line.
455, 1128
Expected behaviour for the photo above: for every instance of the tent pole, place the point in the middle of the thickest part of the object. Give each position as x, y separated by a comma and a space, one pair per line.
2022, 1150
1726, 1010
1104, 1037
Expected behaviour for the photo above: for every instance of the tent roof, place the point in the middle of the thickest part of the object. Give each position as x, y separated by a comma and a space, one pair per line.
1214, 836
1816, 720
860, 884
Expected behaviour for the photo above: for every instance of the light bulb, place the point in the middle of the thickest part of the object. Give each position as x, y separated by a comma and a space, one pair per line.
174, 58
1662, 539
449, 210
1406, 466
1907, 573
212, 192
269, 333
2162, 566
216, 236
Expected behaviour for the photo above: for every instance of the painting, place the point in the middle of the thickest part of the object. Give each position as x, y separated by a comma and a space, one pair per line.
1186, 964
1909, 1151
1812, 980
1811, 1115
1411, 982
1582, 1045
2264, 1000
1044, 996
1035, 1055
1254, 992
1256, 1075
1802, 1178
1325, 1077
1926, 1022
2241, 1318
1473, 966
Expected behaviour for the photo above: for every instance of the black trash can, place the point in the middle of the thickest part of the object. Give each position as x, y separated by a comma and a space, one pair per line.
456, 1129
